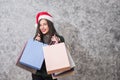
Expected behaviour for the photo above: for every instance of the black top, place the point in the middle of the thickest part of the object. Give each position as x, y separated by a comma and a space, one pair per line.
42, 73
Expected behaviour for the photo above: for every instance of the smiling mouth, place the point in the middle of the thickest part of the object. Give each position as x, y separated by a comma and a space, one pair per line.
43, 30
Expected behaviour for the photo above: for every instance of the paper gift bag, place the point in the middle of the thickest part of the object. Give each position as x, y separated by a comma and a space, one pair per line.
23, 66
63, 74
33, 54
56, 58
67, 72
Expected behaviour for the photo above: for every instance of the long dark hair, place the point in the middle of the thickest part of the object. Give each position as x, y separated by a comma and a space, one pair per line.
51, 32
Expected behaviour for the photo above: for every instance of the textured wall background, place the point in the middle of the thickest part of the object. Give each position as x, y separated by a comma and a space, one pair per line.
90, 27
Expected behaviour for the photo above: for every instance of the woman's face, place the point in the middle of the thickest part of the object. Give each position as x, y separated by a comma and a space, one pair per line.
44, 26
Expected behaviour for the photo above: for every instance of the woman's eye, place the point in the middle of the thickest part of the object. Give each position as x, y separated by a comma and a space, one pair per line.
45, 24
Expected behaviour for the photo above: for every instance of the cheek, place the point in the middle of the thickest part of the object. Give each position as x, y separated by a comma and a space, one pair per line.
40, 28
47, 28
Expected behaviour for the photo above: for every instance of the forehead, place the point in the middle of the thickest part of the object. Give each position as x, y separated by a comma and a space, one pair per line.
43, 21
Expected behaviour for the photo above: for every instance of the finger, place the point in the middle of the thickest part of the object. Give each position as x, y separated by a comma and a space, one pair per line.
38, 34
38, 38
53, 38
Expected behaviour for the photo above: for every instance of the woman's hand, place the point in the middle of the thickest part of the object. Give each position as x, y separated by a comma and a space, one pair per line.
38, 38
55, 39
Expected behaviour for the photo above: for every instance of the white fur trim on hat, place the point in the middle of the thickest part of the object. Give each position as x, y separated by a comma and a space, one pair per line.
46, 17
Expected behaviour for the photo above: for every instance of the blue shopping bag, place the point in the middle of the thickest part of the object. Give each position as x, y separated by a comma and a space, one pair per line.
33, 54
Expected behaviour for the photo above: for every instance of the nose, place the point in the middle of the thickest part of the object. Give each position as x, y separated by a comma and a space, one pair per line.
41, 26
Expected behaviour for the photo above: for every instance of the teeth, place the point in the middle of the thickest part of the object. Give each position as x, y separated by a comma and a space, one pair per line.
43, 30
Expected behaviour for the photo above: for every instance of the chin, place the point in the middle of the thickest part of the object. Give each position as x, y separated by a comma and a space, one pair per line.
44, 32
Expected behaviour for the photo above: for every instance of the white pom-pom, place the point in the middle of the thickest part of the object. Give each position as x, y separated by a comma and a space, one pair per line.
36, 25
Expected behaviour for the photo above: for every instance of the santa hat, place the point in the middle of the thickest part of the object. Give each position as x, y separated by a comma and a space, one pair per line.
43, 15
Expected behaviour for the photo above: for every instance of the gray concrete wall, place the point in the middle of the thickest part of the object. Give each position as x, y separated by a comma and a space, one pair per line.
90, 27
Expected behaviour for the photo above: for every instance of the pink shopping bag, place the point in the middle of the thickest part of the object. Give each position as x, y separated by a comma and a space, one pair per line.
67, 72
56, 58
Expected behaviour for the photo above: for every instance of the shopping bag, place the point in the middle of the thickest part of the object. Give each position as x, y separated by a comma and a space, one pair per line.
23, 66
56, 58
33, 54
63, 74
69, 72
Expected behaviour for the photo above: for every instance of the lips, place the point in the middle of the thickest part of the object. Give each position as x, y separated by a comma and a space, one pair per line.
43, 30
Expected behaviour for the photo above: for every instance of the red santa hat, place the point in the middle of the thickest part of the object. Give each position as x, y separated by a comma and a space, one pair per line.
43, 15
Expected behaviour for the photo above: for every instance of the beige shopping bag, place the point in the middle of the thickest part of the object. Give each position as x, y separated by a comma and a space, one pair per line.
56, 58
63, 74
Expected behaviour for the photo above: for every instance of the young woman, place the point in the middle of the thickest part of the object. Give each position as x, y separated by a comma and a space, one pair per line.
47, 34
